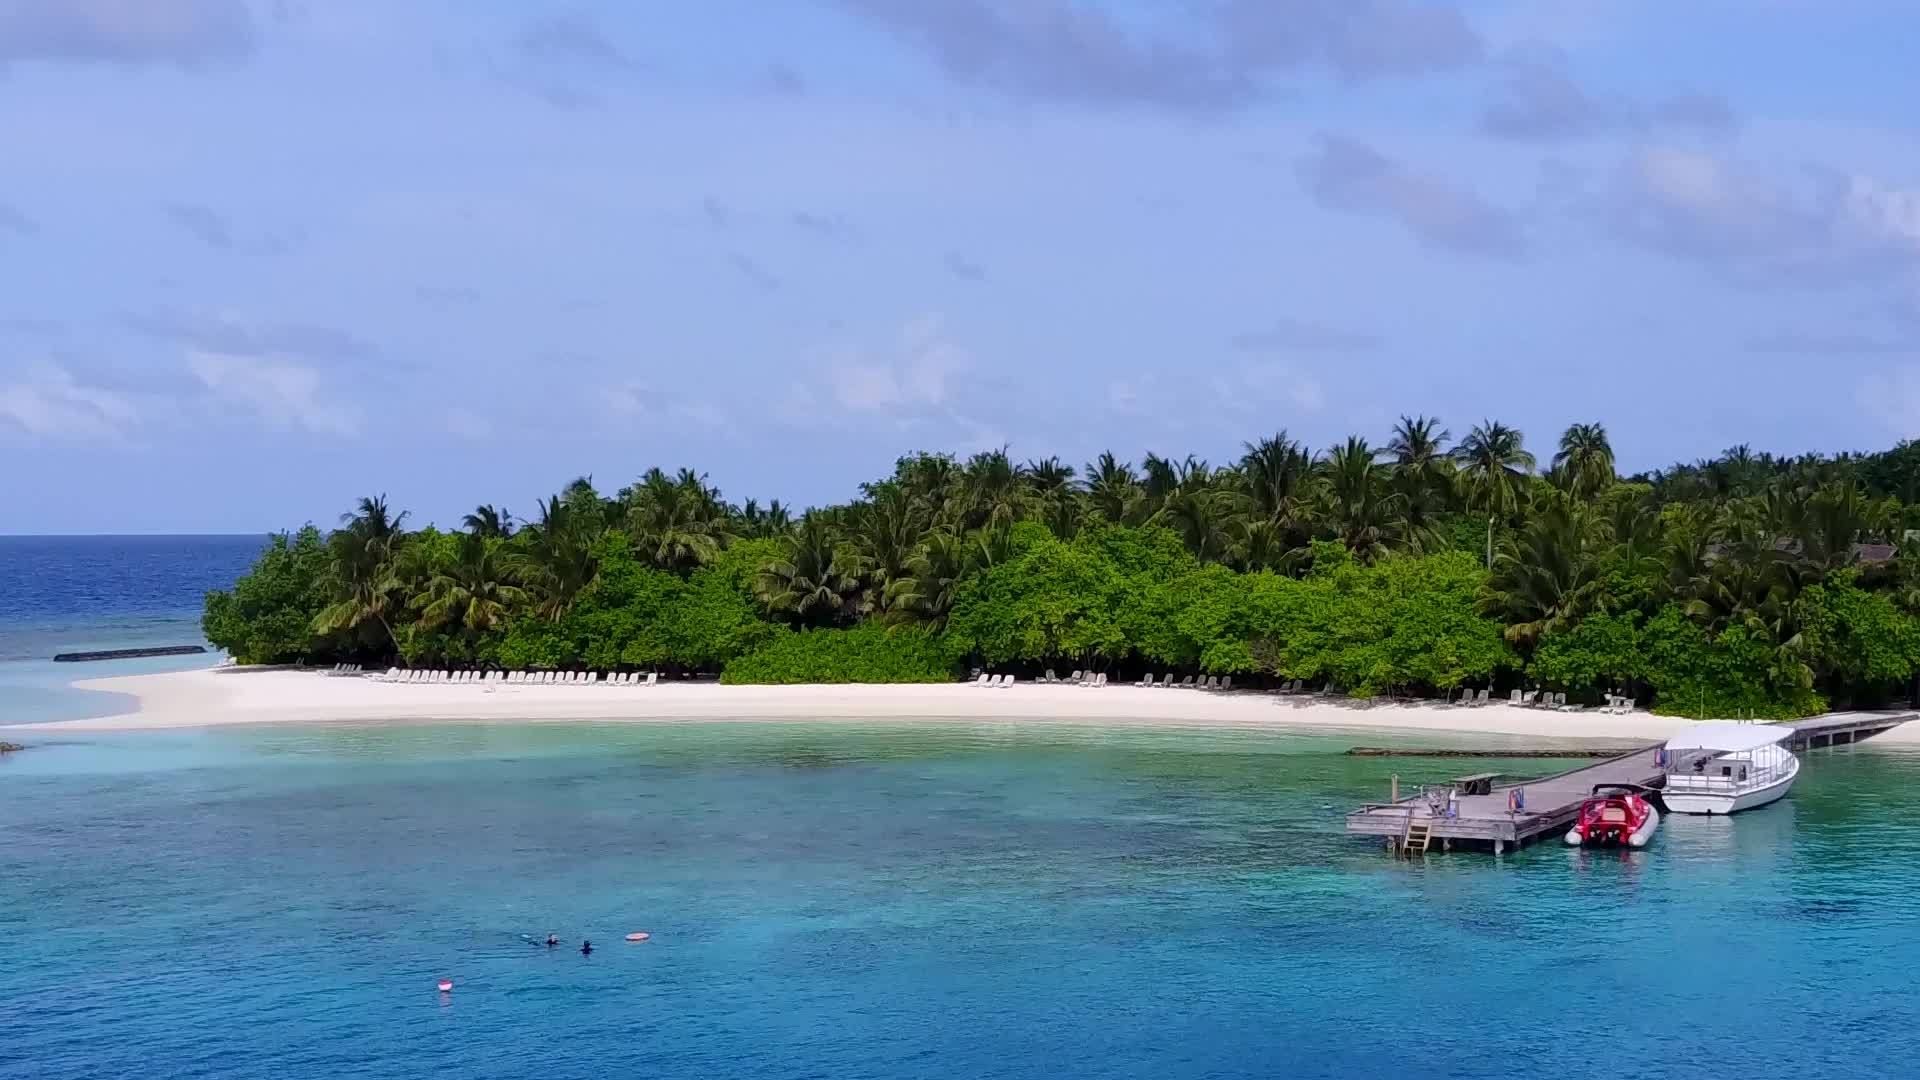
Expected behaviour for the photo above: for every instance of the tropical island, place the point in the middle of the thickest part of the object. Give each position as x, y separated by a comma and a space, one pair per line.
1744, 585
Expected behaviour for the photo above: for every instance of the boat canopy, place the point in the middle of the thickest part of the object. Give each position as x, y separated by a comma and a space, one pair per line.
1729, 738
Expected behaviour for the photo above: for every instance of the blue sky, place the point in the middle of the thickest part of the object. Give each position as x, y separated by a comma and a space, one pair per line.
257, 259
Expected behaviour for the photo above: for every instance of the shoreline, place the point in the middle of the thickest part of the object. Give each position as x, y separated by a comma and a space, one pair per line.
220, 697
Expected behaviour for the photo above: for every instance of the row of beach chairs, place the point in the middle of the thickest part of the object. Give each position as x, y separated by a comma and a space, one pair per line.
344, 669
521, 678
1078, 678
1099, 678
1544, 699
1191, 682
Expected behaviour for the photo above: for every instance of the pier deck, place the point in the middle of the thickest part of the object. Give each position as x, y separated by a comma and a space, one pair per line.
1552, 802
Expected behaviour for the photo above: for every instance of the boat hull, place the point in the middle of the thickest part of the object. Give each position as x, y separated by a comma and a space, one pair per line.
1722, 803
1638, 838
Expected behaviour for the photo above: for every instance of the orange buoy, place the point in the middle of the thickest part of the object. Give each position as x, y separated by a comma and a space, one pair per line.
638, 935
446, 986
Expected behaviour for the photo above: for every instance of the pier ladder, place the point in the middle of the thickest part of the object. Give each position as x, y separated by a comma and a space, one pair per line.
1419, 836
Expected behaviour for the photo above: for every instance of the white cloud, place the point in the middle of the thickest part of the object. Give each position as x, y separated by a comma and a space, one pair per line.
278, 393
1809, 226
51, 404
913, 376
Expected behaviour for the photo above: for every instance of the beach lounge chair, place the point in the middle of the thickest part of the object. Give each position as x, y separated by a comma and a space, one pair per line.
984, 680
652, 677
1484, 696
1226, 682
1048, 676
1075, 677
1186, 683
1212, 683
1513, 696
1559, 701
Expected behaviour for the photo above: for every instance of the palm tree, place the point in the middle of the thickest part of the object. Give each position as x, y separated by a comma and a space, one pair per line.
813, 578
1494, 466
1276, 476
674, 523
1585, 460
1053, 495
365, 552
758, 524
934, 480
1202, 517
1359, 506
554, 558
1548, 575
924, 594
885, 532
1113, 491
1832, 520
489, 523
477, 591
992, 488
590, 511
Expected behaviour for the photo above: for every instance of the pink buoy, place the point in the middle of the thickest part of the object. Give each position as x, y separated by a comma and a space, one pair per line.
446, 986
638, 935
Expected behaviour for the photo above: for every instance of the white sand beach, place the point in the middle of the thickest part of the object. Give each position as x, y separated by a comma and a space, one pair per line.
224, 696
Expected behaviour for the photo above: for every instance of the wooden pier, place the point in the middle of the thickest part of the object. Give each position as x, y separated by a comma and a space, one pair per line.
1545, 807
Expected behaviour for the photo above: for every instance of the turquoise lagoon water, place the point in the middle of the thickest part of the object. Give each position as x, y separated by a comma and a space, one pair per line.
966, 901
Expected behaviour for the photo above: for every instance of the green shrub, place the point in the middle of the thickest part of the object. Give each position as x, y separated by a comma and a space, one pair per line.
864, 654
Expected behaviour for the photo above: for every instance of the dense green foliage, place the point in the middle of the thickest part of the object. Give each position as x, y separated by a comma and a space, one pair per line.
1745, 585
269, 616
868, 653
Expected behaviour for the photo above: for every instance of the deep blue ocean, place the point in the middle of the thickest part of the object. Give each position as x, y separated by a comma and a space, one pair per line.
75, 593
966, 900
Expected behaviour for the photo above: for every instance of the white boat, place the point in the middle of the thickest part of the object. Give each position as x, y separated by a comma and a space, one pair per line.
1724, 768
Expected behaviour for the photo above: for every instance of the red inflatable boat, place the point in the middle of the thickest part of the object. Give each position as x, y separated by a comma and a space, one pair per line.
1618, 815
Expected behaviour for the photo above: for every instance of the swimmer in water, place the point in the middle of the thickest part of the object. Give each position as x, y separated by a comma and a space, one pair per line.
586, 948
552, 940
